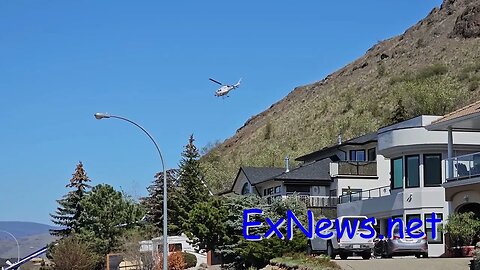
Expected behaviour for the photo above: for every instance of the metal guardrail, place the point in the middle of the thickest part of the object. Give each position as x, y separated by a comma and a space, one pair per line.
316, 201
464, 167
364, 194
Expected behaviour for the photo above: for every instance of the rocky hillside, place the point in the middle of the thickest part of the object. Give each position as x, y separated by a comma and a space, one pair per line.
432, 68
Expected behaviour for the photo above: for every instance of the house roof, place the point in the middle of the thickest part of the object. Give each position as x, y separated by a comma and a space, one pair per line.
259, 174
364, 139
466, 118
255, 175
317, 170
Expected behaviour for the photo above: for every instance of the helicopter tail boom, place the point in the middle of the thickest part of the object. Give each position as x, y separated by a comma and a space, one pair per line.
238, 83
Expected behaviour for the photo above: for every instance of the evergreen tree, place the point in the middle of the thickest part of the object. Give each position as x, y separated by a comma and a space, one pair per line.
154, 203
400, 114
106, 214
191, 178
69, 210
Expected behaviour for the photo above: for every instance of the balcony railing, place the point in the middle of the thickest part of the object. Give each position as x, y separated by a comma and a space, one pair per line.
361, 168
464, 167
316, 201
364, 194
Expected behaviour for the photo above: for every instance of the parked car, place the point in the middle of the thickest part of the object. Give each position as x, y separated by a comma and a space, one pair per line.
343, 246
397, 246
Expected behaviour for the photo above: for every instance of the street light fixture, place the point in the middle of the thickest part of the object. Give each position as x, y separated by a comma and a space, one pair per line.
18, 246
100, 116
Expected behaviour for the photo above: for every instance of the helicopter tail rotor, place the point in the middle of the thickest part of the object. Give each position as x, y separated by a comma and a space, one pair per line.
238, 83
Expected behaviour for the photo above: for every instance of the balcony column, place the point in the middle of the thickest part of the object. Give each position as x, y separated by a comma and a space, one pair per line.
450, 153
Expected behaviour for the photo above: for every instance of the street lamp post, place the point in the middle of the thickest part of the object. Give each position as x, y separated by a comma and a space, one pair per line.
165, 232
18, 246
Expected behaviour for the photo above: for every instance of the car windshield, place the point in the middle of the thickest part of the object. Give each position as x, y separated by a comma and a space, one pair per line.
353, 220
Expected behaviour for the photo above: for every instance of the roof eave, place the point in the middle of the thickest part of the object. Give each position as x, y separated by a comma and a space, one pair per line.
444, 125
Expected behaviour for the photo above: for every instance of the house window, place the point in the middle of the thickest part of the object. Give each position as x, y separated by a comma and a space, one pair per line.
357, 155
319, 191
397, 217
175, 247
432, 170
272, 190
428, 229
396, 173
245, 189
410, 217
298, 189
412, 173
372, 154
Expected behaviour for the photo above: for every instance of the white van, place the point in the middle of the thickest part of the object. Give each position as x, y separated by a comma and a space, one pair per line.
343, 246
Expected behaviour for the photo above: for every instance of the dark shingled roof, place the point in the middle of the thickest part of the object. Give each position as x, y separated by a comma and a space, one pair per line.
259, 174
370, 137
318, 170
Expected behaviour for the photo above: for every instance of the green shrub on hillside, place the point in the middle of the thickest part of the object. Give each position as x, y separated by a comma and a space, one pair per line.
422, 74
430, 71
431, 96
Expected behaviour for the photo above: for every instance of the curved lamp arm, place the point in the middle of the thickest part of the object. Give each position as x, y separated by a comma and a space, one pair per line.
165, 232
18, 246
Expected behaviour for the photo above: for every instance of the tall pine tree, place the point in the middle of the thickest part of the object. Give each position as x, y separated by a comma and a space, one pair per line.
191, 178
154, 203
69, 210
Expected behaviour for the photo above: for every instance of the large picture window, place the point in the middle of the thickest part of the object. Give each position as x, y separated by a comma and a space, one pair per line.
372, 154
428, 229
396, 173
412, 216
412, 173
432, 170
357, 155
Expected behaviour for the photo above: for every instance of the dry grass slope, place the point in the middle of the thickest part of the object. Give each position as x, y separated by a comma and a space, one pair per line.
432, 68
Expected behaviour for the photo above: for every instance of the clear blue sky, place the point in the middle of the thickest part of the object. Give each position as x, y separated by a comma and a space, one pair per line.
62, 61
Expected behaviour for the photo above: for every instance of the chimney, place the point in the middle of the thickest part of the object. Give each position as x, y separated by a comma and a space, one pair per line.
287, 169
339, 139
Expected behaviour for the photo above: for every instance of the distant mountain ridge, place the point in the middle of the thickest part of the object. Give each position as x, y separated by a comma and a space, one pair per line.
432, 68
31, 236
23, 228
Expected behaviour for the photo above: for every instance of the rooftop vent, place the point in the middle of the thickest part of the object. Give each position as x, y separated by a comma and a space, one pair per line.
287, 169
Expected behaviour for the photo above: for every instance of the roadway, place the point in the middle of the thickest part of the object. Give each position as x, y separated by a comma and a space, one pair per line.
405, 263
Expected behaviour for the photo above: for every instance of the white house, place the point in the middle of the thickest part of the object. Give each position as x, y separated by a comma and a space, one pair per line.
349, 168
462, 185
416, 165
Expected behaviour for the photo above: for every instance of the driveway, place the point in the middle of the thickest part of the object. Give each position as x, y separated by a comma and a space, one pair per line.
405, 263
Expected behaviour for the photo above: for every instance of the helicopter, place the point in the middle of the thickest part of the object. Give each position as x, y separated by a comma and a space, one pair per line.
226, 88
